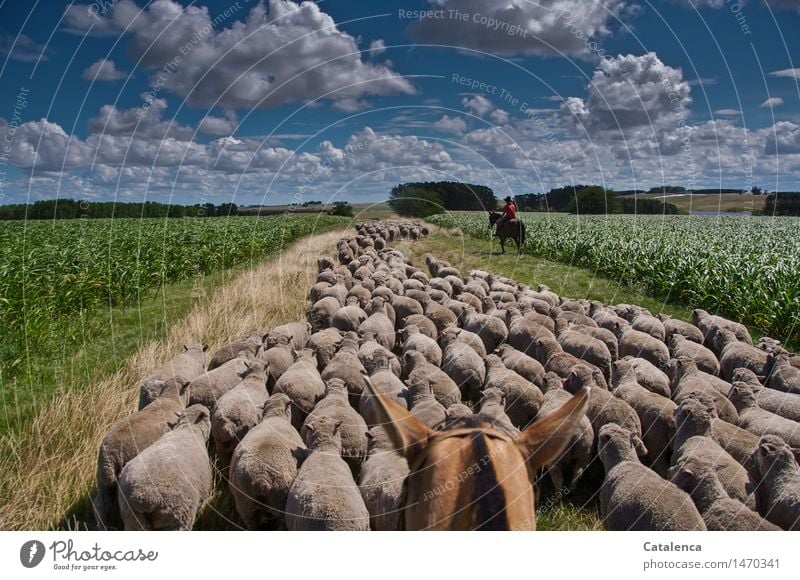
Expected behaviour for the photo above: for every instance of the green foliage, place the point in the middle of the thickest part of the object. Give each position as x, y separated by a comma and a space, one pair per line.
415, 201
645, 206
50, 209
594, 200
448, 195
51, 270
786, 203
743, 267
342, 208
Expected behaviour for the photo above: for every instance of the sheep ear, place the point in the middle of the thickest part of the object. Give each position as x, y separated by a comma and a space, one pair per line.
264, 337
543, 442
409, 435
638, 445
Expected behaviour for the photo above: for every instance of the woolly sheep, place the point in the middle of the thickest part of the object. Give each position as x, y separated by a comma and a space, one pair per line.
710, 324
445, 390
688, 379
414, 340
368, 348
346, 367
783, 376
605, 336
490, 329
246, 348
278, 359
187, 365
780, 482
656, 414
378, 324
238, 411
522, 364
405, 307
492, 412
441, 316
786, 405
760, 421
578, 453
549, 353
303, 384
265, 464
633, 497
322, 311
650, 377
381, 481
335, 405
324, 495
422, 404
719, 511
703, 357
640, 344
694, 439
523, 333
673, 326
586, 348
425, 326
361, 296
650, 325
324, 344
297, 332
463, 365
128, 437
384, 381
735, 354
453, 332
523, 399
211, 385
603, 406
164, 486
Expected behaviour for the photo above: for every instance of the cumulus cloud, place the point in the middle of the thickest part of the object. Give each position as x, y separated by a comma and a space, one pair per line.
789, 73
499, 117
728, 112
280, 52
782, 139
103, 70
628, 92
221, 126
455, 125
477, 105
544, 27
771, 102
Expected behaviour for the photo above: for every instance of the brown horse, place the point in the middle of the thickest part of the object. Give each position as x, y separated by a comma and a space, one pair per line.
474, 477
513, 229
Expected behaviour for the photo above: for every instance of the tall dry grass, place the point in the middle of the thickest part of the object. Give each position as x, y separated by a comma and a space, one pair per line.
47, 472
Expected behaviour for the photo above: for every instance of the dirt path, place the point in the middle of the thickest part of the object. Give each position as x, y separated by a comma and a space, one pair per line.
50, 473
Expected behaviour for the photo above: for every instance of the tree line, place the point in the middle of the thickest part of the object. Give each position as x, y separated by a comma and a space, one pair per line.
786, 203
71, 209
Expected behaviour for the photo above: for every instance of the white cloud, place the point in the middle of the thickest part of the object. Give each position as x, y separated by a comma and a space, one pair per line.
477, 105
628, 92
103, 70
783, 4
771, 102
499, 117
545, 27
281, 52
728, 112
782, 139
220, 126
789, 73
455, 125
23, 48
377, 47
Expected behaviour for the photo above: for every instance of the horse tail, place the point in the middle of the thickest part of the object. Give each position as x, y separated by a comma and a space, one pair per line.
521, 234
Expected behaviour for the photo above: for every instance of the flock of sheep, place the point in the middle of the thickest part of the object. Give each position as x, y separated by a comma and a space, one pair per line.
689, 426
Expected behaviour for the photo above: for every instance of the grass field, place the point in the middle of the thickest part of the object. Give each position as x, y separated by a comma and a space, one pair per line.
722, 202
76, 296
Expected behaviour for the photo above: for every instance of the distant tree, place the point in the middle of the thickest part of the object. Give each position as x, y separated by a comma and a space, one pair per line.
342, 208
755, 190
594, 200
415, 201
454, 196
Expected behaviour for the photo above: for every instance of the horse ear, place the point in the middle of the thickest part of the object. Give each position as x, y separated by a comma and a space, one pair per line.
409, 435
544, 440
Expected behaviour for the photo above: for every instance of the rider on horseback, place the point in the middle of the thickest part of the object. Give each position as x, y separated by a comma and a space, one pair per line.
509, 211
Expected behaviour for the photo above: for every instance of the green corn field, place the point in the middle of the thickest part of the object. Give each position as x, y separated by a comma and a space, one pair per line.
746, 268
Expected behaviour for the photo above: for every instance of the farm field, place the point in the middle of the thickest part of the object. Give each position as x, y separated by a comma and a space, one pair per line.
724, 202
88, 288
745, 268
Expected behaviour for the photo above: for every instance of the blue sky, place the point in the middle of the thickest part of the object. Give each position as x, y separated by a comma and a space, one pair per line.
269, 102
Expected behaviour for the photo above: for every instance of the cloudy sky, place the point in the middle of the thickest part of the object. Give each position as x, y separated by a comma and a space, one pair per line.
274, 101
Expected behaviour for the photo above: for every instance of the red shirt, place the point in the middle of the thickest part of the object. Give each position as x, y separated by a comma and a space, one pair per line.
510, 211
